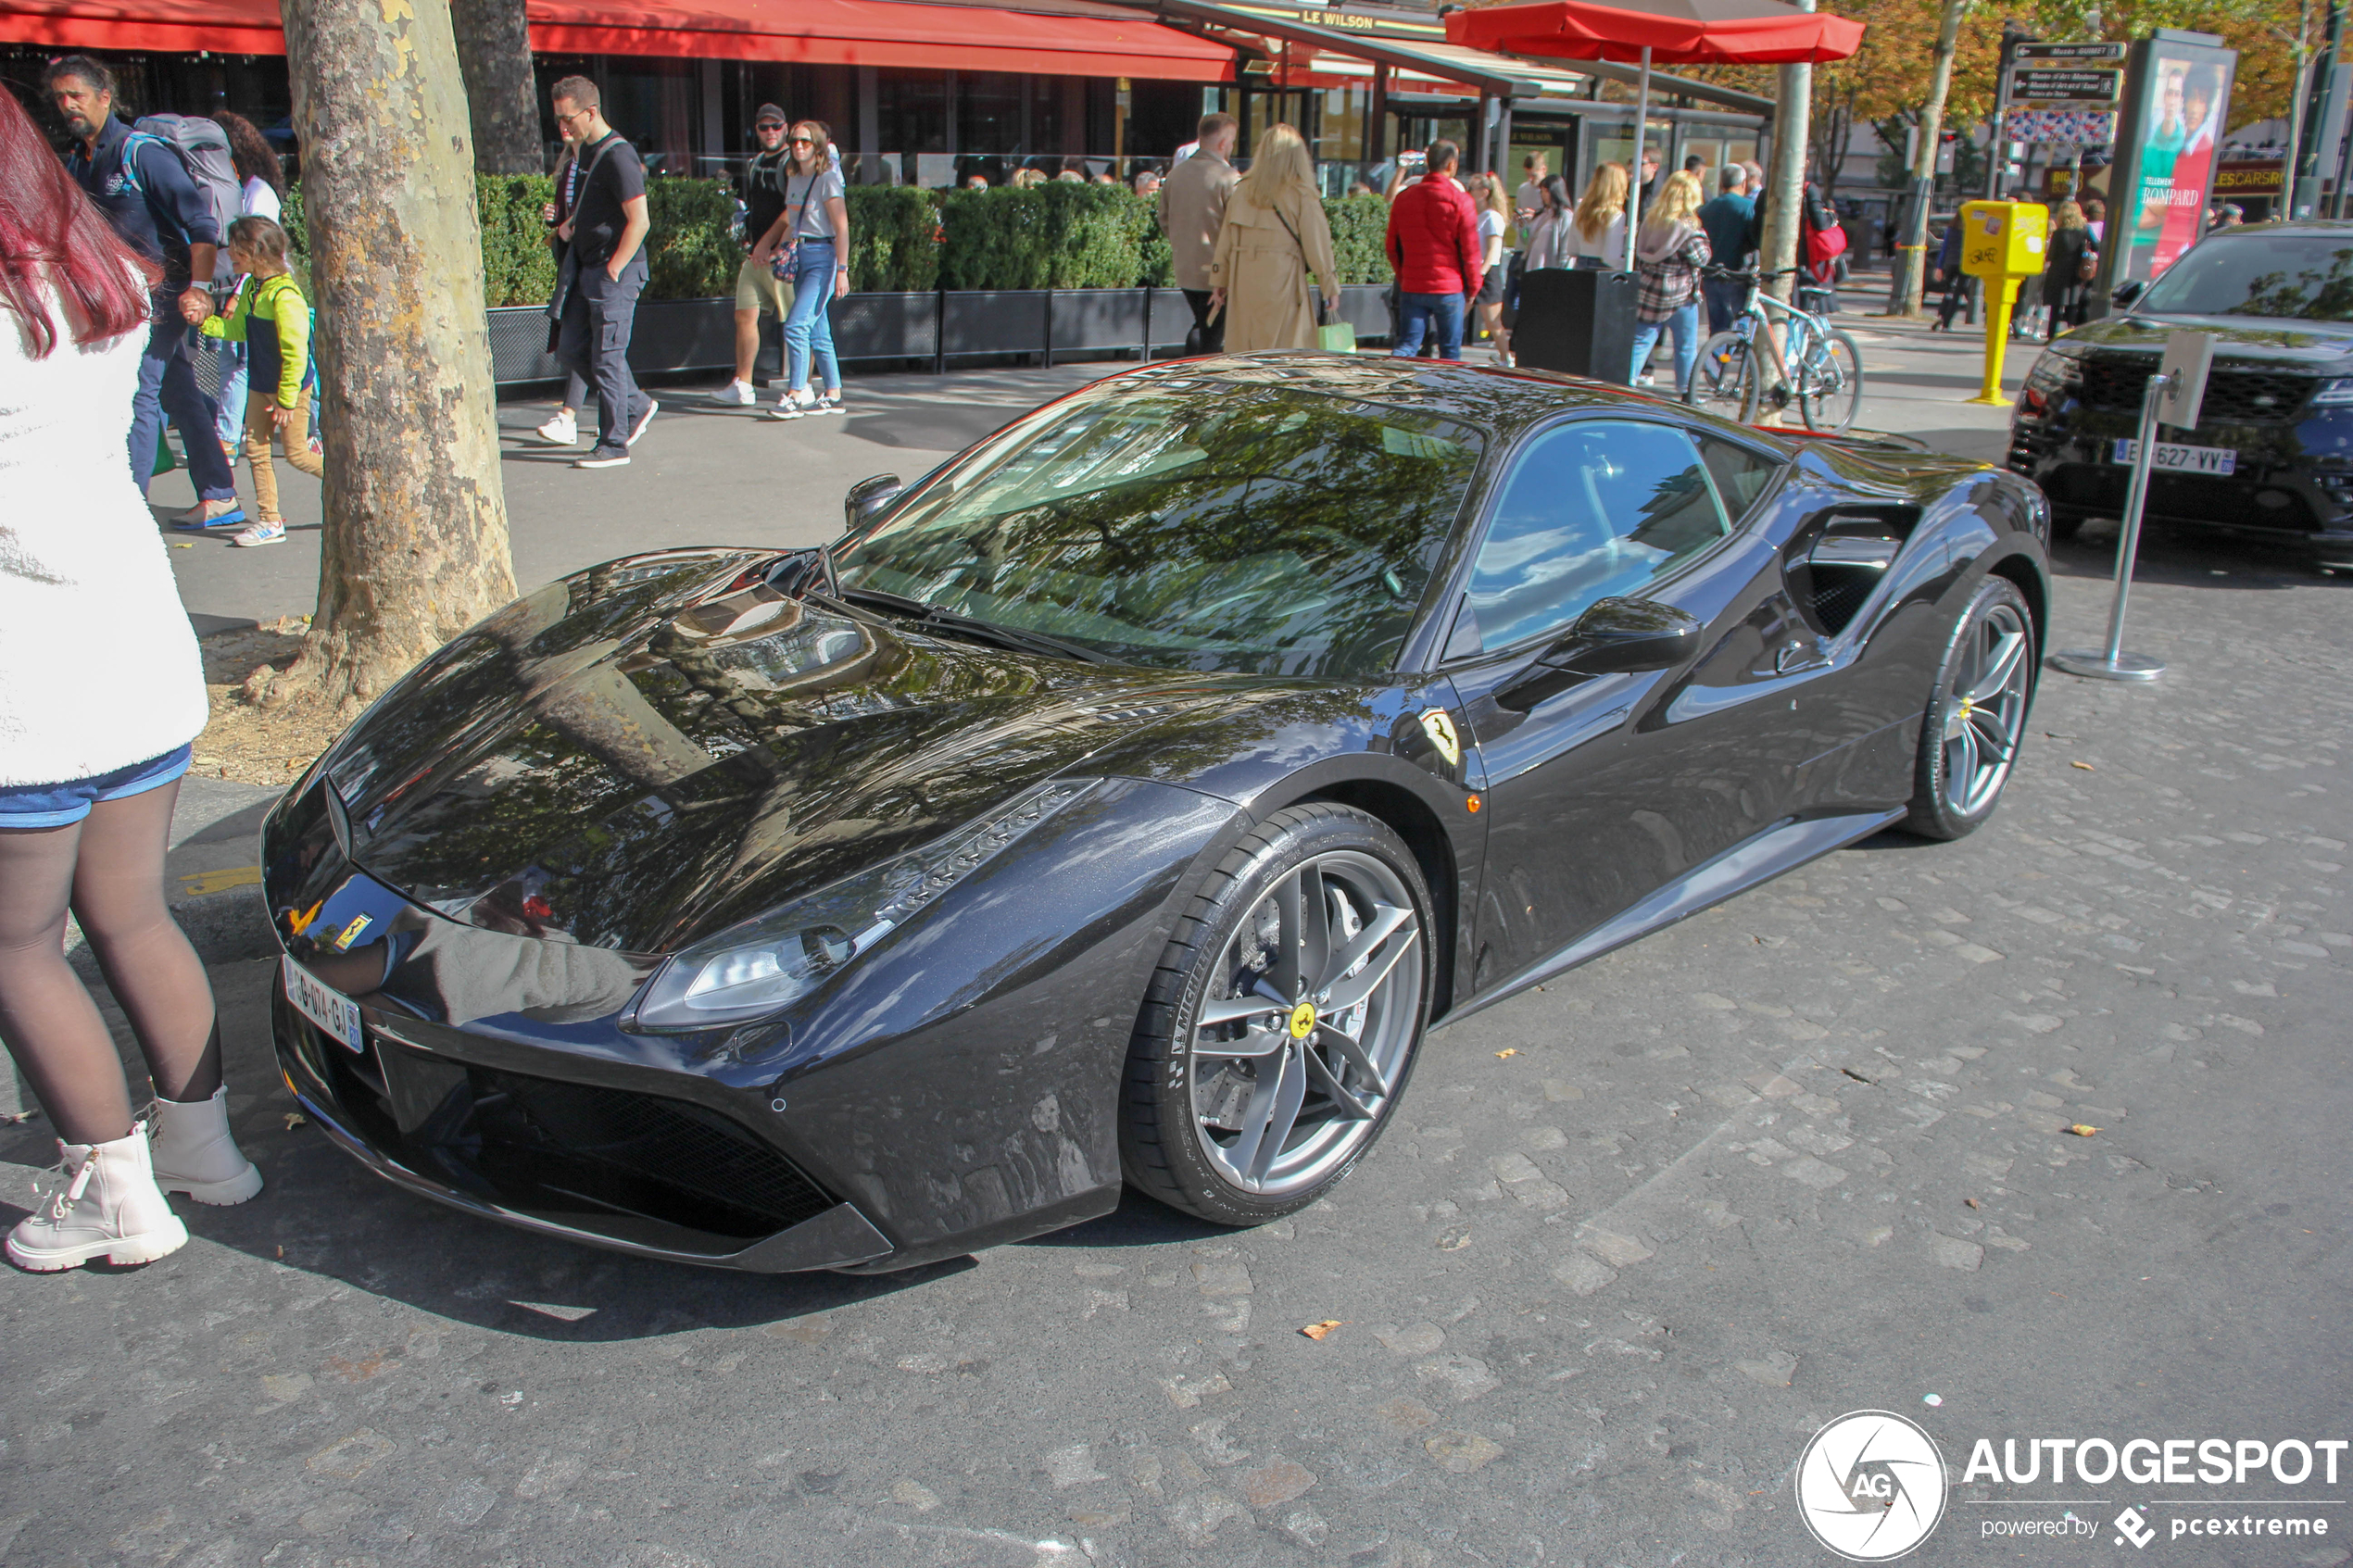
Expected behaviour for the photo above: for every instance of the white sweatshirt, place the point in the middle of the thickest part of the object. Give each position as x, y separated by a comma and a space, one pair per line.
98, 664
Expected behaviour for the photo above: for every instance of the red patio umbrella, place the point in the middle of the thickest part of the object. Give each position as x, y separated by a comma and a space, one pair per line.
1752, 32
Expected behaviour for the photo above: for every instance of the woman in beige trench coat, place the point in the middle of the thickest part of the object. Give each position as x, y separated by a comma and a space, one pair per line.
1273, 235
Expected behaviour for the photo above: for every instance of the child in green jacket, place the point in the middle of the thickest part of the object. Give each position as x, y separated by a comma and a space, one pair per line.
273, 320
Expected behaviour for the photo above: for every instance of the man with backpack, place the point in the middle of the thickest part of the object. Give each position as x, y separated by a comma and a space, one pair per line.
153, 183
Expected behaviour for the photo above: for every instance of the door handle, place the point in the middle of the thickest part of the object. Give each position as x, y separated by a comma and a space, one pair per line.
1792, 657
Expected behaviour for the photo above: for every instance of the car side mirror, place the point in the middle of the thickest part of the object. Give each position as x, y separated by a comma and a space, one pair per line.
1614, 636
2125, 294
868, 499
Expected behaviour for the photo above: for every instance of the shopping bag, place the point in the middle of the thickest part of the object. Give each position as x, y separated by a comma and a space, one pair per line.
1333, 335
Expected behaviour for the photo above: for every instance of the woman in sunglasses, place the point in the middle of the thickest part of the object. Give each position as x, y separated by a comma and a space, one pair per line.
812, 241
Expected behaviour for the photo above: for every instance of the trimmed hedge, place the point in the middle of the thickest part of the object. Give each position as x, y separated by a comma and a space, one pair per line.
903, 238
1359, 226
894, 239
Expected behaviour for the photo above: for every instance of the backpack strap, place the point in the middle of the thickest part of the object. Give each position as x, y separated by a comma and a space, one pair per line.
131, 146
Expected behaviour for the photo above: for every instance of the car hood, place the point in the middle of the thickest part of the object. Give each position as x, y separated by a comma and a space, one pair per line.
645, 753
2317, 345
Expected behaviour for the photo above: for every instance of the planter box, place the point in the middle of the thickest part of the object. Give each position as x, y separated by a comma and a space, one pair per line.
887, 326
1366, 307
994, 321
1093, 319
1172, 319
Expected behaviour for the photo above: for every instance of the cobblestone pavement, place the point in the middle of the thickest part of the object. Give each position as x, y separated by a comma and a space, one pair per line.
1633, 1238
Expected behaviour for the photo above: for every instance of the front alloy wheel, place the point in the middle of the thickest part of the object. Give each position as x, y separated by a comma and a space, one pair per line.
1283, 1022
1976, 717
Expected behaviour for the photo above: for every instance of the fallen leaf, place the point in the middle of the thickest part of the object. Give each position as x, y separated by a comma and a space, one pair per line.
294, 1119
2081, 1130
2085, 766
1972, 1203
1316, 1331
190, 545
2054, 735
1501, 1056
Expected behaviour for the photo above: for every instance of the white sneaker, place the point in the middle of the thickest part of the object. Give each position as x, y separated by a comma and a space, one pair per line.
828, 403
561, 430
106, 1204
653, 406
794, 405
739, 393
259, 533
194, 1152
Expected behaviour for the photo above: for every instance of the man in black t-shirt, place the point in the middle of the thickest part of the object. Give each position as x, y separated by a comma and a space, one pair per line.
758, 292
604, 271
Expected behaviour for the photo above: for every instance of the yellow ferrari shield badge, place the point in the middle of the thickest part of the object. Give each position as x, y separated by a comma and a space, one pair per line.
1303, 1021
1440, 726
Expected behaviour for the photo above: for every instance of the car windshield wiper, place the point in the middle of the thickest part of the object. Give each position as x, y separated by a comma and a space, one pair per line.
971, 626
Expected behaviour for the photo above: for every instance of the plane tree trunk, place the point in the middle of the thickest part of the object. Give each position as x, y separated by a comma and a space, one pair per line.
494, 50
415, 547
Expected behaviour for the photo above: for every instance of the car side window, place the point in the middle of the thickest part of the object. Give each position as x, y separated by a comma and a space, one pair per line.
1741, 474
1590, 508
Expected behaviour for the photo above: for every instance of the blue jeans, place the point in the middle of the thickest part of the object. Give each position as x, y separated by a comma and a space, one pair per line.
809, 330
231, 425
167, 388
1685, 325
1418, 313
1724, 302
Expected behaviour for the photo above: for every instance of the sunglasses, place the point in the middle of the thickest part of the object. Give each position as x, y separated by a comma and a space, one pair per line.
802, 142
768, 125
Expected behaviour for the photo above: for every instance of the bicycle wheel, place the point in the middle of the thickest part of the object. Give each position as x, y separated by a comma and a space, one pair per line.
1830, 383
1724, 380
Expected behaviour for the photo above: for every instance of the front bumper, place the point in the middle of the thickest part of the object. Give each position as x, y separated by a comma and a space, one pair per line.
2292, 487
953, 1092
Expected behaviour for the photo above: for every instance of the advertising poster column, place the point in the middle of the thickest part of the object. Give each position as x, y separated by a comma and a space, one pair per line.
2177, 96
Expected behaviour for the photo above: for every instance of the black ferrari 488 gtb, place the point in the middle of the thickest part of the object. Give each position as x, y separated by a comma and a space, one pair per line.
1121, 804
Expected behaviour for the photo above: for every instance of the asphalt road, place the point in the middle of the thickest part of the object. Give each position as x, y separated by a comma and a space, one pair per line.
1633, 1239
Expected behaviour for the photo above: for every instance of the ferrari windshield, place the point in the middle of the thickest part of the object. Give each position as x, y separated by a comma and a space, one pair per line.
2302, 277
1260, 530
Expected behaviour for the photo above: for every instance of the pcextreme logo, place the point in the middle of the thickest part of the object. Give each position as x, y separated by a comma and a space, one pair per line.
1872, 1485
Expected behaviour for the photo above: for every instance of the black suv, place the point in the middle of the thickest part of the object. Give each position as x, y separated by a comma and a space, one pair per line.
2273, 453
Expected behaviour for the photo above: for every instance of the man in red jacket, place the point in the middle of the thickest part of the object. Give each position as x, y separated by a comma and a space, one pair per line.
1433, 246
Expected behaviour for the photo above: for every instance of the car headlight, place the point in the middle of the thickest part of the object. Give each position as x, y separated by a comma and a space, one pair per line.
2334, 394
755, 968
2057, 368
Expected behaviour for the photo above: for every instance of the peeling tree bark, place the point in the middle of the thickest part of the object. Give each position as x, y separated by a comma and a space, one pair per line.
494, 50
415, 545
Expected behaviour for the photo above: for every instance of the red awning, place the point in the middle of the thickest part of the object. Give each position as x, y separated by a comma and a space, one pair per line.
225, 27
857, 32
1749, 32
879, 32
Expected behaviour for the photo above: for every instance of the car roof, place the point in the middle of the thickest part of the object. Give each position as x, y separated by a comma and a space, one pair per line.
1498, 400
2320, 227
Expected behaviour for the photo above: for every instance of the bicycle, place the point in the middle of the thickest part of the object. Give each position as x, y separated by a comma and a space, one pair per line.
1820, 367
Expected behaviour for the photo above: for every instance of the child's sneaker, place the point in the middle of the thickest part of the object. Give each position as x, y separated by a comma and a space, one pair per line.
273, 532
212, 514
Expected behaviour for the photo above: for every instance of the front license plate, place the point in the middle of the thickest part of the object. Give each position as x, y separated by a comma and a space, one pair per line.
329, 1009
2174, 458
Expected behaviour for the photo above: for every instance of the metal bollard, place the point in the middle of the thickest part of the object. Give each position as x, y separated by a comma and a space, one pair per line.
2112, 663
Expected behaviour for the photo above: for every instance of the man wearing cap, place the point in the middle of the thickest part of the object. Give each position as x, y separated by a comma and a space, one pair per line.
758, 292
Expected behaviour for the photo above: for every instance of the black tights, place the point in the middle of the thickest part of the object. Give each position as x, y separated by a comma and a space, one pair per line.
108, 868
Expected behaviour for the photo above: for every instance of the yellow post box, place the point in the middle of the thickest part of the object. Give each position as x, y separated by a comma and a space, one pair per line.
2005, 244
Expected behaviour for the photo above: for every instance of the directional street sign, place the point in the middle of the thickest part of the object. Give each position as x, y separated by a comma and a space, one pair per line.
2089, 88
2079, 54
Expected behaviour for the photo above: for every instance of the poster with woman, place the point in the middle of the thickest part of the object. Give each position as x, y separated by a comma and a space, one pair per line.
2176, 105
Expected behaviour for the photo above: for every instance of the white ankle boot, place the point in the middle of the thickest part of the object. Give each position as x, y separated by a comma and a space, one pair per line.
108, 1204
195, 1154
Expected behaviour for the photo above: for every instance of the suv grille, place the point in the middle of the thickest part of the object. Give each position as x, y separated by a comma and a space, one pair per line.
2117, 382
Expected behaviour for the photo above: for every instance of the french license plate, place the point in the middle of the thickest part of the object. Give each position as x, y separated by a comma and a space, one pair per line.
329, 1009
2174, 458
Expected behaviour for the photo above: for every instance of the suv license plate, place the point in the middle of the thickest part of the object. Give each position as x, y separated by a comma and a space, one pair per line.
329, 1009
2173, 458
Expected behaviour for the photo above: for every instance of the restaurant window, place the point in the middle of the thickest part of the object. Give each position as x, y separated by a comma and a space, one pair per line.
911, 110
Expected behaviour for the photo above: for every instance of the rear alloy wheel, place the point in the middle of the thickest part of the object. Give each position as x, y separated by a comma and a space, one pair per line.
1283, 1022
1977, 714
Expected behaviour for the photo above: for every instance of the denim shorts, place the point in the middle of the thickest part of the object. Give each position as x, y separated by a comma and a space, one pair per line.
54, 805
